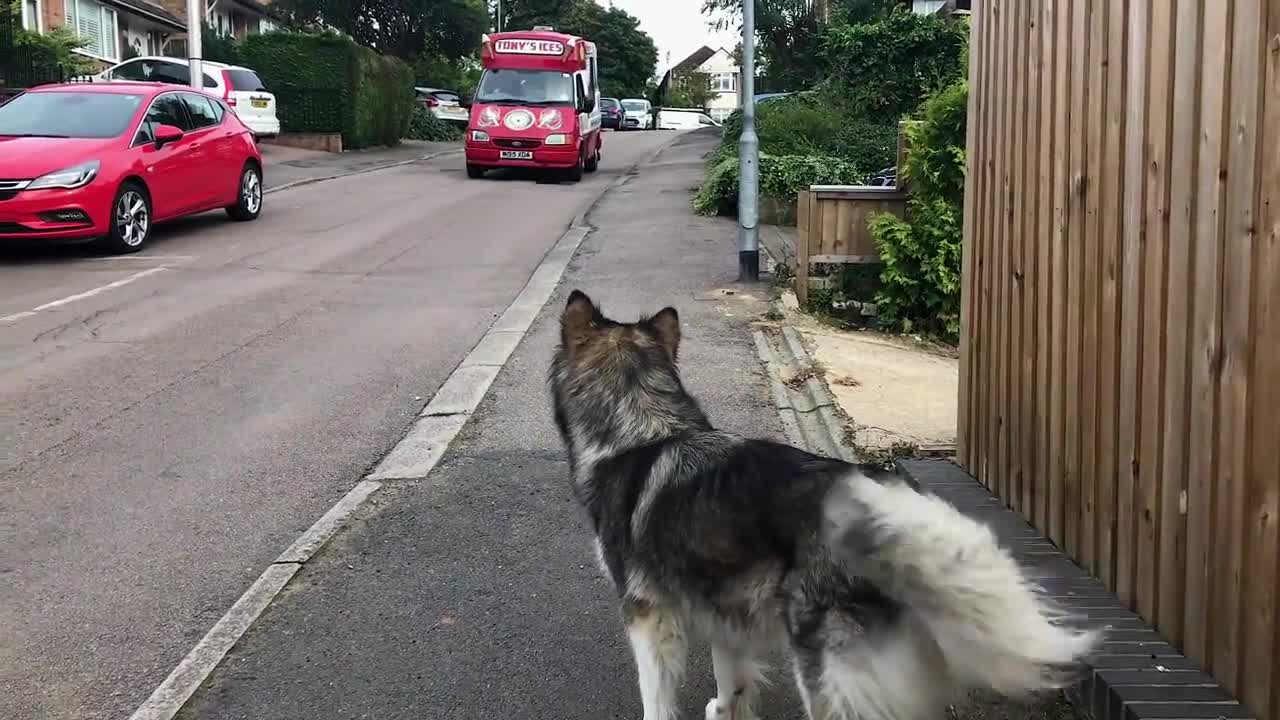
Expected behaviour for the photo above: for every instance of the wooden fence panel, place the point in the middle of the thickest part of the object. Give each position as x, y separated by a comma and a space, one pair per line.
1121, 311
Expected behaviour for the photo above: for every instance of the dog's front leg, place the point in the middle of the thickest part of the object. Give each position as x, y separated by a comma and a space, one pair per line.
737, 675
658, 643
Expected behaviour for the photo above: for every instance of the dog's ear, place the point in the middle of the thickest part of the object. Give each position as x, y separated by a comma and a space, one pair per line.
578, 321
666, 327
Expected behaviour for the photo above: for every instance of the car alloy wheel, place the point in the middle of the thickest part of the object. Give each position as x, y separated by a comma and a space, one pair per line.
251, 191
133, 218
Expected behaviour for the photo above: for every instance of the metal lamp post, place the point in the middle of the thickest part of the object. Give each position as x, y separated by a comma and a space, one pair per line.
194, 24
748, 156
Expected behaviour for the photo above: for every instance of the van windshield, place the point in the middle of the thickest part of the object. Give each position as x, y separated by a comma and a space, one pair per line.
525, 87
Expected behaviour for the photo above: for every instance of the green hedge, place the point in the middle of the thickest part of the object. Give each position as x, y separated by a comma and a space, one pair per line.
781, 176
327, 83
423, 125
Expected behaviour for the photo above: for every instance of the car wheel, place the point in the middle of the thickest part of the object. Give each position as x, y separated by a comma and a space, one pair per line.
593, 163
475, 172
248, 195
130, 219
575, 173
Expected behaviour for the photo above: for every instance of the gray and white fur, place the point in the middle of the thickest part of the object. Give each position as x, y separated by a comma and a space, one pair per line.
887, 599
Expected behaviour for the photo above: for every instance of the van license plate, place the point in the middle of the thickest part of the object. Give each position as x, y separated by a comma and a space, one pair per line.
516, 154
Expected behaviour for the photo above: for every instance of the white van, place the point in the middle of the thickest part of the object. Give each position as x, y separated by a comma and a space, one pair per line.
684, 120
638, 114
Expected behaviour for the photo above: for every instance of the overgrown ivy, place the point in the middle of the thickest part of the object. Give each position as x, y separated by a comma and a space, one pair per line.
920, 276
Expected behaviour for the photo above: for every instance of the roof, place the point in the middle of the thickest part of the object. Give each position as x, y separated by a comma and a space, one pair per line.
695, 60
152, 11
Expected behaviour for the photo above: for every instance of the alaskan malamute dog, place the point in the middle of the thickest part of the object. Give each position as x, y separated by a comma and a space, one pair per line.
887, 599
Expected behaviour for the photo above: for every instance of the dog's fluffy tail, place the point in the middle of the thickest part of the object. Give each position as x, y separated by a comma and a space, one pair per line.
992, 626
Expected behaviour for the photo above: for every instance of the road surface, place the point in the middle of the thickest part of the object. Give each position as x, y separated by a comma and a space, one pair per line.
172, 420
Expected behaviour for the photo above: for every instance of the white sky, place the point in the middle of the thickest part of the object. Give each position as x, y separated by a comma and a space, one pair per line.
677, 26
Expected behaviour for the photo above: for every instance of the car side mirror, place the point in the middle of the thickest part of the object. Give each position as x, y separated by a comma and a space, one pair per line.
166, 134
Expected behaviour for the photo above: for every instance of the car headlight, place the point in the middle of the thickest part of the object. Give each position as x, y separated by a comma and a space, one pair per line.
558, 139
76, 176
479, 136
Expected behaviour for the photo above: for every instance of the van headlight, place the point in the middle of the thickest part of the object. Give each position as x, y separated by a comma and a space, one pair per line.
557, 139
479, 136
76, 176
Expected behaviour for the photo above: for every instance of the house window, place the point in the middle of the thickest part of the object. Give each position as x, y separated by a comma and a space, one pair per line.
97, 25
31, 19
724, 82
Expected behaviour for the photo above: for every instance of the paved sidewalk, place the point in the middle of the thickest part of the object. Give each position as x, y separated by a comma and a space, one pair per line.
288, 165
474, 594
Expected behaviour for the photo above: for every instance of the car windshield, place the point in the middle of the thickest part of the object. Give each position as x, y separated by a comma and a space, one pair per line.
68, 114
637, 105
525, 87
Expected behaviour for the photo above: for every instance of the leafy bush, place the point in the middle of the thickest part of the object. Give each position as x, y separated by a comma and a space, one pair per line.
218, 47
425, 126
885, 68
870, 144
920, 276
39, 58
326, 83
781, 176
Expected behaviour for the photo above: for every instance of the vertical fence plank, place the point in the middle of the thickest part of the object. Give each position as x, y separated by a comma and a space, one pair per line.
1060, 184
1133, 234
1154, 299
968, 330
1017, 308
999, 255
1237, 339
805, 229
1182, 169
1075, 249
1261, 592
1043, 234
1110, 229
1032, 237
986, 235
1096, 153
1206, 330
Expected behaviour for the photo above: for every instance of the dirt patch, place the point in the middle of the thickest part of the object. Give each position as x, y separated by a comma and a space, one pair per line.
988, 706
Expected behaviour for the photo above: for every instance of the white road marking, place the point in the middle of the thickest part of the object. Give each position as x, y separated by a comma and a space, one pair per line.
82, 296
412, 458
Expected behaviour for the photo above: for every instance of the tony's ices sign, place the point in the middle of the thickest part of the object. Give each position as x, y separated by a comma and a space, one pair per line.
529, 47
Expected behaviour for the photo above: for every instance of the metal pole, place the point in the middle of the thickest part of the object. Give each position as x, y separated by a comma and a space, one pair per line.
748, 156
499, 15
194, 24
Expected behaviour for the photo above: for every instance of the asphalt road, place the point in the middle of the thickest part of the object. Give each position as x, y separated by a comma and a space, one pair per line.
173, 420
473, 594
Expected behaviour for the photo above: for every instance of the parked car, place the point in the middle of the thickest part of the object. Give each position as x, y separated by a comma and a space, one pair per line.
446, 105
611, 113
679, 119
107, 161
238, 87
639, 114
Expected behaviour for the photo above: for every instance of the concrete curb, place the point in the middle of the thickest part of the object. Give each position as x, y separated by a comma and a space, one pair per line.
361, 171
412, 458
808, 409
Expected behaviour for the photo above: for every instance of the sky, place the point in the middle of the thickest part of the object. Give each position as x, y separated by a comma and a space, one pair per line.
678, 27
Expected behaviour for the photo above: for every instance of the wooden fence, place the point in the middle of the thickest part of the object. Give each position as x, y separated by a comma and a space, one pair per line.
1120, 378
831, 224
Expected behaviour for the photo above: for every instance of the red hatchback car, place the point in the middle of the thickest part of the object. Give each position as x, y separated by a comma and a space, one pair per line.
106, 162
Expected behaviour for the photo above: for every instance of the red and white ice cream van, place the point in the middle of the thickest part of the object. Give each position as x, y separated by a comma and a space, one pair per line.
537, 105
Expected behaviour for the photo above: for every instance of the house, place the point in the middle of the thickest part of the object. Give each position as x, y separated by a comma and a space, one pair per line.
107, 27
723, 74
236, 18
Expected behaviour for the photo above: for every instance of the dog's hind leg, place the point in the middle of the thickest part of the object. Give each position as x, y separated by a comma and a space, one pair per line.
660, 649
737, 675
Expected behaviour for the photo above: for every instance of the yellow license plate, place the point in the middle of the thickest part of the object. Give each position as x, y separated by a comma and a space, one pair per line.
259, 103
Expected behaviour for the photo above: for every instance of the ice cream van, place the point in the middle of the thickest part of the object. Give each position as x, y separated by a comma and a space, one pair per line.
537, 105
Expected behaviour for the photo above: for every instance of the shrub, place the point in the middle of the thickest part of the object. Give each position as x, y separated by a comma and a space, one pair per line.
218, 47
870, 144
425, 126
781, 176
885, 68
327, 83
920, 276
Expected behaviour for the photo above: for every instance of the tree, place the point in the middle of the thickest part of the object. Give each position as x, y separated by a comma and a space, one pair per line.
689, 91
403, 28
789, 34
